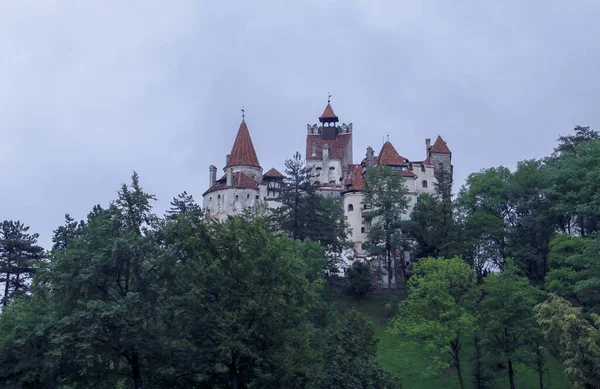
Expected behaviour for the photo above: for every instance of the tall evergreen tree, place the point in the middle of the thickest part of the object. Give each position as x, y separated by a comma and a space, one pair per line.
19, 257
386, 201
306, 214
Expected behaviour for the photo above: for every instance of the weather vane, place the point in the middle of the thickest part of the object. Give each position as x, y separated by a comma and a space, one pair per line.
243, 113
388, 136
329, 98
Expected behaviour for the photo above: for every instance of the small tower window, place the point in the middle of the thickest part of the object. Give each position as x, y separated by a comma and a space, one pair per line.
219, 197
362, 230
248, 196
350, 207
424, 183
423, 167
257, 197
236, 197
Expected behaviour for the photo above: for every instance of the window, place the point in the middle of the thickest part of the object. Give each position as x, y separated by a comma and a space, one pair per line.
210, 199
248, 196
319, 168
257, 197
219, 197
424, 183
350, 207
332, 168
362, 229
422, 167
236, 197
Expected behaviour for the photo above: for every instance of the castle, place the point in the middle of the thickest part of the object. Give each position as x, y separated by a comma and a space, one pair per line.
330, 160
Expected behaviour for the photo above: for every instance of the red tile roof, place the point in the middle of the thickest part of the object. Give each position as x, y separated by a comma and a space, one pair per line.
273, 173
337, 146
440, 146
389, 156
242, 152
328, 113
240, 181
354, 180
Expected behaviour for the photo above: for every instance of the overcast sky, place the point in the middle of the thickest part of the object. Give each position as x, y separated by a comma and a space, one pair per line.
92, 90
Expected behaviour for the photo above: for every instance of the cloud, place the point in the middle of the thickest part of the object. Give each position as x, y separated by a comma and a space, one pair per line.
90, 91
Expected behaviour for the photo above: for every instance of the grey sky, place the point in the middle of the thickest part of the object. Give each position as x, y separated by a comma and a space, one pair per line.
91, 90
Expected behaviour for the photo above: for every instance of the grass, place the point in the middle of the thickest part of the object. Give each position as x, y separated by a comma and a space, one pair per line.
405, 358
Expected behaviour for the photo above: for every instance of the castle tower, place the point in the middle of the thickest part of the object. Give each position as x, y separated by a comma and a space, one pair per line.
440, 155
243, 156
329, 150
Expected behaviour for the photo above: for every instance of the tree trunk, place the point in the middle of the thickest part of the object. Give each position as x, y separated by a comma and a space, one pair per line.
136, 371
236, 380
455, 347
540, 365
6, 283
511, 374
478, 374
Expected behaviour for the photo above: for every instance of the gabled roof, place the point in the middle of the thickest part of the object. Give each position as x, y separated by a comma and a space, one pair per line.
338, 146
354, 181
328, 113
242, 152
440, 146
389, 156
273, 173
239, 181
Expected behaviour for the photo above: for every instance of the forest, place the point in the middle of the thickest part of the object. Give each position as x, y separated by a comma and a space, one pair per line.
502, 291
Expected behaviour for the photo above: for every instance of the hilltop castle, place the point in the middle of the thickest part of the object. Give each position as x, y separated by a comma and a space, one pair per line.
330, 160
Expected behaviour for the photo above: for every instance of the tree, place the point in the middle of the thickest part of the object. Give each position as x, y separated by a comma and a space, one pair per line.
576, 335
567, 144
575, 269
438, 312
386, 201
349, 360
359, 277
108, 280
507, 319
19, 257
305, 214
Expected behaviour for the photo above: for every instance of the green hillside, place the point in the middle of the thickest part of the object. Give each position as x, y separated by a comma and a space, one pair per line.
404, 358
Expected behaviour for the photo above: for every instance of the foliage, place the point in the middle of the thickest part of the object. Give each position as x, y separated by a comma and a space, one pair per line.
439, 310
350, 357
19, 257
576, 335
385, 201
506, 320
575, 269
305, 214
359, 278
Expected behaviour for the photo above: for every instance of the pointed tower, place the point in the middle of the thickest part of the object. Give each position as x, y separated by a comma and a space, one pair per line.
243, 156
440, 155
329, 150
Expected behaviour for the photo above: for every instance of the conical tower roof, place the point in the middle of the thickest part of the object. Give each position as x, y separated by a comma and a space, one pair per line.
440, 146
328, 115
242, 152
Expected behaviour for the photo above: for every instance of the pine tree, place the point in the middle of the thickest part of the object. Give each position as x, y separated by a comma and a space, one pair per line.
386, 200
19, 257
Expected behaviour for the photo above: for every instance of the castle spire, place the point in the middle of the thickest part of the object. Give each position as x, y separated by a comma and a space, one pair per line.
328, 115
242, 152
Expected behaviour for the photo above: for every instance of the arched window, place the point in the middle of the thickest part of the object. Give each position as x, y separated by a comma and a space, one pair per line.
362, 229
424, 183
350, 207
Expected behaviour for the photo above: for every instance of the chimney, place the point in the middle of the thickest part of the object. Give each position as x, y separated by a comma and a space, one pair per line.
370, 157
212, 175
227, 160
427, 147
229, 176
